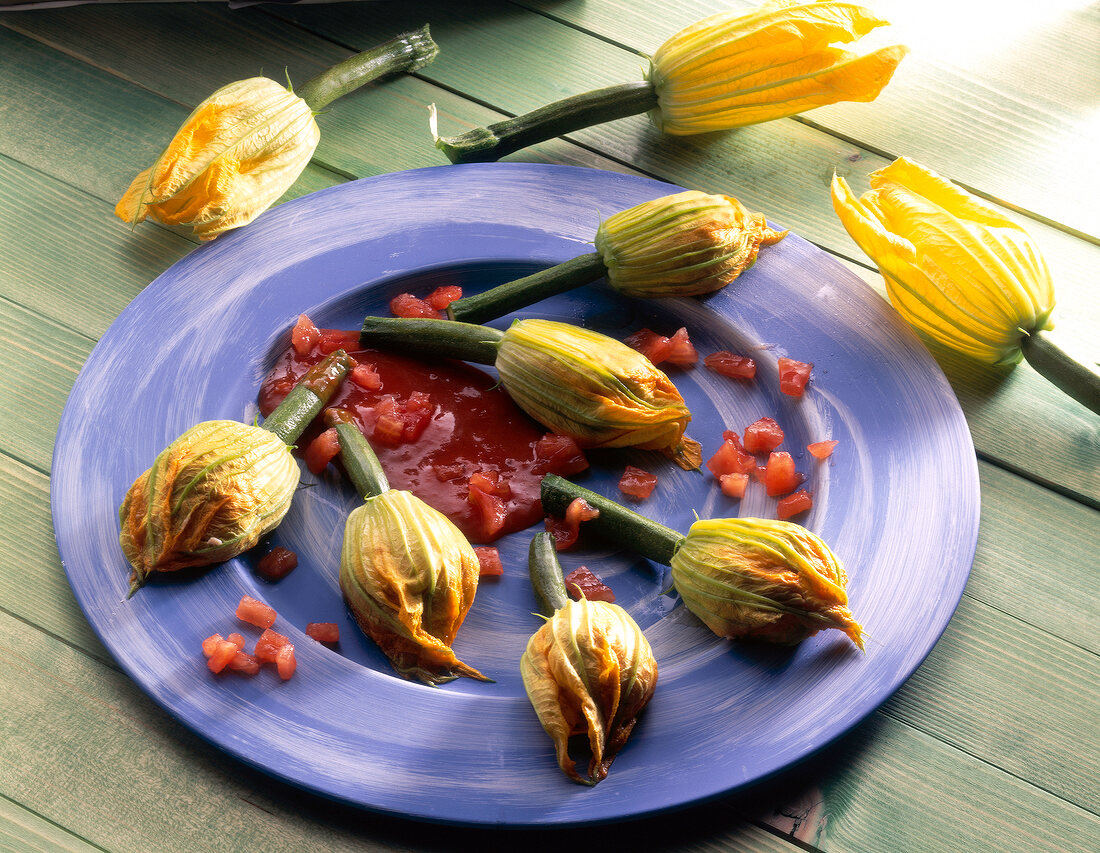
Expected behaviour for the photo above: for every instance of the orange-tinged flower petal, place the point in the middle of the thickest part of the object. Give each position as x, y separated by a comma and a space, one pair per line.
956, 269
732, 69
234, 156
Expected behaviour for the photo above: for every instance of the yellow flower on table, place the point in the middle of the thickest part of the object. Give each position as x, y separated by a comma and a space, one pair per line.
234, 156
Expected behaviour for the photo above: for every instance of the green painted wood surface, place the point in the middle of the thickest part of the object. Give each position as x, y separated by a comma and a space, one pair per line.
992, 745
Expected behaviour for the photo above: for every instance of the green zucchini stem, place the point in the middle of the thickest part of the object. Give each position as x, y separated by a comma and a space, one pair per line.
630, 529
546, 574
360, 462
425, 337
1078, 380
401, 54
505, 298
485, 144
308, 397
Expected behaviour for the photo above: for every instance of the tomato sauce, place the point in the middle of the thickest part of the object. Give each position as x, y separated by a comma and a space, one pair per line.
435, 425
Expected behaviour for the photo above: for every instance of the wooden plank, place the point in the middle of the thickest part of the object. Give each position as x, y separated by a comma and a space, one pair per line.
1015, 124
86, 285
22, 831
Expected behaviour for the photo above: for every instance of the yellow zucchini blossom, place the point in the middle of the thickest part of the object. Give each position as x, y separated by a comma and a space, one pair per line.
762, 579
684, 244
594, 388
589, 669
234, 156
955, 269
209, 496
739, 68
409, 577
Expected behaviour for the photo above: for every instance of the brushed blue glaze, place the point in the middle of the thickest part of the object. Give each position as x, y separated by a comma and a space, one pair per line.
898, 502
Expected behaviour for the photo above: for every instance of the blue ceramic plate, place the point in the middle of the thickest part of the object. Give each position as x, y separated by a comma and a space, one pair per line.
898, 502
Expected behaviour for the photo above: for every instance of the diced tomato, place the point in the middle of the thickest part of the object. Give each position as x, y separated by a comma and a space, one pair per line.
304, 336
334, 339
781, 477
223, 653
491, 483
759, 473
566, 530
244, 663
822, 449
366, 377
794, 504
404, 422
255, 612
277, 563
560, 454
636, 483
321, 451
763, 436
793, 376
490, 511
211, 643
323, 632
681, 351
286, 662
731, 457
407, 305
582, 583
734, 485
447, 473
268, 645
236, 639
443, 296
653, 346
489, 558
728, 364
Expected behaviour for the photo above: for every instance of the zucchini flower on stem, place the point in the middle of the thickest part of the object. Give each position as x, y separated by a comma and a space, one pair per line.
571, 380
684, 244
960, 272
742, 577
725, 71
407, 573
247, 143
222, 485
588, 670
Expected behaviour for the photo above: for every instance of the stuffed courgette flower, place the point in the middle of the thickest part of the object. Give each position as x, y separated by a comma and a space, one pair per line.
222, 485
588, 670
750, 578
244, 146
960, 272
571, 380
407, 573
725, 71
684, 244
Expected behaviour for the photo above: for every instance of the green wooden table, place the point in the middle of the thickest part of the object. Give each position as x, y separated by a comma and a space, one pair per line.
991, 745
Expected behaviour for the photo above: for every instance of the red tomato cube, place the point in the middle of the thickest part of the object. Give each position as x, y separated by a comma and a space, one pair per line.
793, 376
489, 560
366, 377
210, 644
560, 454
223, 654
636, 483
763, 436
653, 346
236, 639
567, 530
800, 501
822, 449
491, 483
255, 612
304, 336
734, 485
681, 351
582, 583
323, 632
443, 296
268, 645
286, 662
781, 478
490, 512
731, 457
407, 305
244, 663
321, 451
334, 339
733, 366
277, 563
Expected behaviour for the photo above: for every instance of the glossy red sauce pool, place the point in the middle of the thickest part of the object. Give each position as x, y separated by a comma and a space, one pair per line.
442, 429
